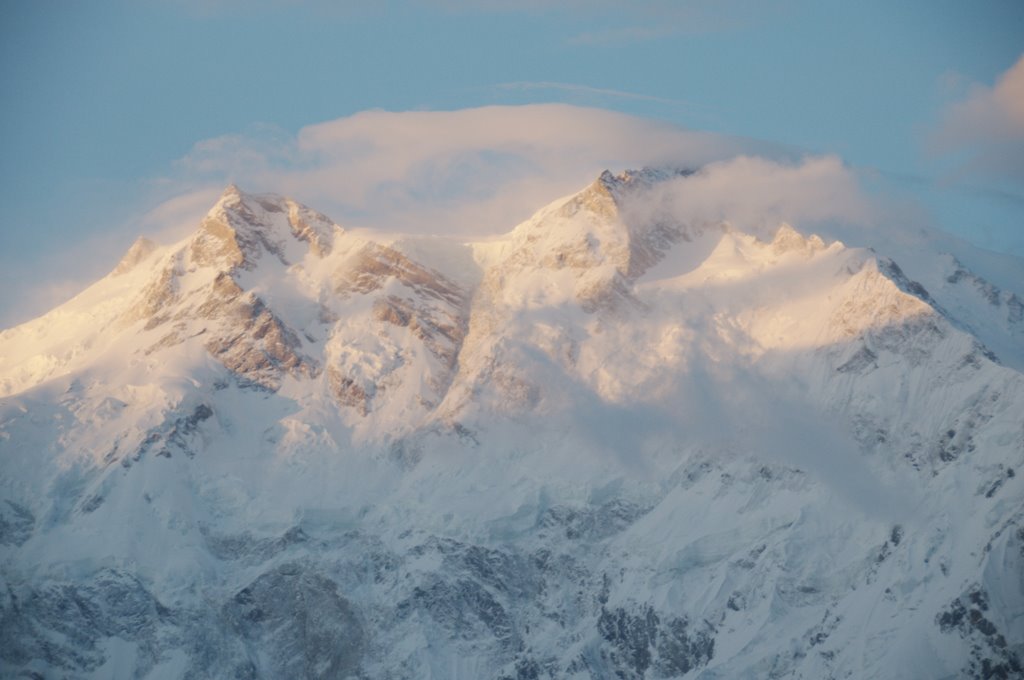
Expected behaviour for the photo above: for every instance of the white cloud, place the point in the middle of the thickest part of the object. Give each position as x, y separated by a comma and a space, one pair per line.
473, 171
175, 217
986, 129
37, 298
756, 194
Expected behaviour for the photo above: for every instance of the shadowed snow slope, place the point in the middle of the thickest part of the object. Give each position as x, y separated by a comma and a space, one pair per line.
610, 444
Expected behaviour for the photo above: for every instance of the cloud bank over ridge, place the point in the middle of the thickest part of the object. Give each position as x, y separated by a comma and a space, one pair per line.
473, 173
476, 172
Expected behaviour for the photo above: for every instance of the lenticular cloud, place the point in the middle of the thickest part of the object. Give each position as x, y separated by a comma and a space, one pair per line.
473, 171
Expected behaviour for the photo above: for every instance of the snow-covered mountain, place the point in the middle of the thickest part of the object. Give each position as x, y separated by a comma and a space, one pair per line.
609, 444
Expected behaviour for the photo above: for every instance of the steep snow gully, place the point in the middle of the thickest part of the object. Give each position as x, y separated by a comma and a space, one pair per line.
612, 443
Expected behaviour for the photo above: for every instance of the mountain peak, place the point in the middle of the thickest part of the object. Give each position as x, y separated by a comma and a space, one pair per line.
245, 207
232, 192
138, 252
787, 239
241, 226
629, 181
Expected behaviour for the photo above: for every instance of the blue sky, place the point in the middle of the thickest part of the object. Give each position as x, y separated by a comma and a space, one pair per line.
103, 100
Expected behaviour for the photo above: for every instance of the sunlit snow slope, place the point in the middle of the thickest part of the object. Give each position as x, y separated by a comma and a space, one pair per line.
610, 444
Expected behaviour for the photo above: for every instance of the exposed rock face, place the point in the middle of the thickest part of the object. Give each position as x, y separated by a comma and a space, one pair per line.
159, 295
422, 315
178, 436
241, 229
639, 643
991, 655
16, 523
374, 265
239, 329
429, 304
309, 226
295, 620
218, 244
61, 627
994, 315
987, 290
262, 348
296, 624
789, 240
